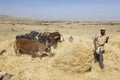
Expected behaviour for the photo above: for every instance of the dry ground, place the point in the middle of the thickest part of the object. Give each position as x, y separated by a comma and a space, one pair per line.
71, 60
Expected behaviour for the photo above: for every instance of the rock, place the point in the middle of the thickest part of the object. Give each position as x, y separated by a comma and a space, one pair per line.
2, 74
7, 77
14, 78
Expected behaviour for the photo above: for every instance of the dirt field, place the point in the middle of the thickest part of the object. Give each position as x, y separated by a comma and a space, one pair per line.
72, 60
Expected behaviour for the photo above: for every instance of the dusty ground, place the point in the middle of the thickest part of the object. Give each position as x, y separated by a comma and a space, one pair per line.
71, 60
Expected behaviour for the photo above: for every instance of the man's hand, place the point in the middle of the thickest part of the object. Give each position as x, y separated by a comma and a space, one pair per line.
107, 39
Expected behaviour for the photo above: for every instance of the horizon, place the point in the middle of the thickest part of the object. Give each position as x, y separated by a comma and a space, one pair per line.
62, 10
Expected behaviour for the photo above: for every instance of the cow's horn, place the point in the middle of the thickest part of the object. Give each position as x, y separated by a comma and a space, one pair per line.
56, 37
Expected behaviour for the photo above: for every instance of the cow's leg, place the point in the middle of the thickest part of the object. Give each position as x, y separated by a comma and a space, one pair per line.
17, 51
39, 54
55, 45
33, 54
48, 53
15, 48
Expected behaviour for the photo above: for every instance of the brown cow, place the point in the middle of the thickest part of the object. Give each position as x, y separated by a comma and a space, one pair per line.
33, 47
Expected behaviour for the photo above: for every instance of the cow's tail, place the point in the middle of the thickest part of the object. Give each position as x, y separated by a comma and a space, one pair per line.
15, 48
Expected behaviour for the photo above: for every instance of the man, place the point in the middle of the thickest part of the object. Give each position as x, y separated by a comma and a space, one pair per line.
99, 43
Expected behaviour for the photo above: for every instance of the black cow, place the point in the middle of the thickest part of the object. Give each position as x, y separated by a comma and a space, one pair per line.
50, 38
33, 35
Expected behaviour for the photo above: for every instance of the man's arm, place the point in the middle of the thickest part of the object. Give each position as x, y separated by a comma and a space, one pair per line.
95, 42
107, 39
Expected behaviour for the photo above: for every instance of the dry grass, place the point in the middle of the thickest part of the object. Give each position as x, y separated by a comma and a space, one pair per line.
74, 57
71, 61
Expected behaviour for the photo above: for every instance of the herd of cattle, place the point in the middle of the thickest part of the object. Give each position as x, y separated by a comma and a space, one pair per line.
36, 44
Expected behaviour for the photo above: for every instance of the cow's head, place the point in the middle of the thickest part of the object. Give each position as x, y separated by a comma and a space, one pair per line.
54, 38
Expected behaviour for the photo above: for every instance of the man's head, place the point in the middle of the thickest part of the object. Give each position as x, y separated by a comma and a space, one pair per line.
102, 30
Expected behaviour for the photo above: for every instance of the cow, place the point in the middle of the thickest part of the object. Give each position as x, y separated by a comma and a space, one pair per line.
50, 38
32, 47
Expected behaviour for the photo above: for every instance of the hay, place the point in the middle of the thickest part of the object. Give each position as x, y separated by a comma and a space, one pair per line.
71, 57
74, 57
112, 57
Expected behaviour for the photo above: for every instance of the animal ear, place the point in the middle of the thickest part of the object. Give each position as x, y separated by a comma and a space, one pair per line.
36, 38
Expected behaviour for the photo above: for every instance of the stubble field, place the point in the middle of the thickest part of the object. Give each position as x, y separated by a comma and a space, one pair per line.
71, 60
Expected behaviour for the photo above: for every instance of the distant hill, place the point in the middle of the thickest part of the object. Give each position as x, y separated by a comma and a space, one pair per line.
5, 19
